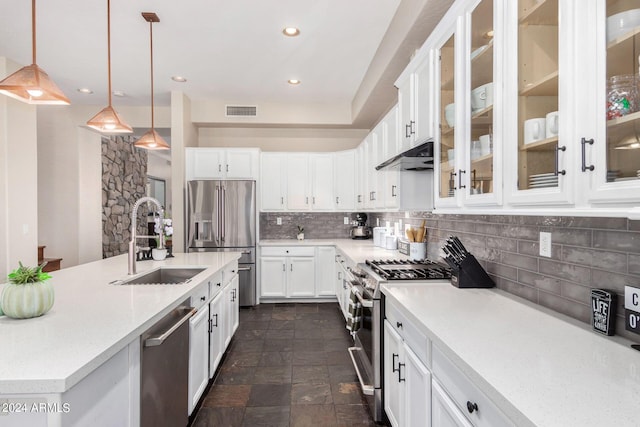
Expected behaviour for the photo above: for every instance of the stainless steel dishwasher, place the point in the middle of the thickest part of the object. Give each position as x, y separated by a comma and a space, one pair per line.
165, 370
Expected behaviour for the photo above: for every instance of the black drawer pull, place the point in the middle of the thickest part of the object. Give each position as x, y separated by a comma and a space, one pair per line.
203, 298
399, 325
471, 407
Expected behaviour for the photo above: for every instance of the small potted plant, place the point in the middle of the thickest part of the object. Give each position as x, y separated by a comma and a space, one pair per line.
28, 294
167, 230
300, 233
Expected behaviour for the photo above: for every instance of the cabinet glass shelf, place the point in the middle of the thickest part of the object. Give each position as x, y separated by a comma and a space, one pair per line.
547, 144
536, 12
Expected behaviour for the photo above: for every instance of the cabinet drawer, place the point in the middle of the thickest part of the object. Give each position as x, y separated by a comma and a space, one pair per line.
229, 271
200, 295
409, 332
288, 251
215, 284
464, 394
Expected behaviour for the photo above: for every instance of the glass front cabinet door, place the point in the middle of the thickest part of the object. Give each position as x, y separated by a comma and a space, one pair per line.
449, 179
482, 170
609, 157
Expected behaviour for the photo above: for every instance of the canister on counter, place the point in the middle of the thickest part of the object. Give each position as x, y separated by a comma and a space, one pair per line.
603, 311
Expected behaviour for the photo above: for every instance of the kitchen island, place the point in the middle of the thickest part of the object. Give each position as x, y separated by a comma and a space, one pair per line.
93, 324
537, 367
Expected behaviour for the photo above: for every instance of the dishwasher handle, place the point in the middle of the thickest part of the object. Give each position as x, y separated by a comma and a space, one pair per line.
156, 340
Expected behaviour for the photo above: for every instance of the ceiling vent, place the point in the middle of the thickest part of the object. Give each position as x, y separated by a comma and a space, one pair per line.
242, 111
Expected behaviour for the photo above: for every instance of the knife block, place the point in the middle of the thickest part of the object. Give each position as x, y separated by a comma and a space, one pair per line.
470, 274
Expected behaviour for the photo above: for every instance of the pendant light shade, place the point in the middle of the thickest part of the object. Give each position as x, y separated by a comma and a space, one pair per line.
31, 84
151, 140
108, 121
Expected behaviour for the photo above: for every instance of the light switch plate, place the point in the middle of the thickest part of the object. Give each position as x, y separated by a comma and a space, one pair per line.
545, 244
278, 221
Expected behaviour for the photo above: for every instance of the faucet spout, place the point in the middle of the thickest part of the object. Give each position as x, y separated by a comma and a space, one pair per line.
134, 236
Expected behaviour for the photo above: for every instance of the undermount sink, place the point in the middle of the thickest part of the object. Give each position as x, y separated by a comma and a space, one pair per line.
162, 276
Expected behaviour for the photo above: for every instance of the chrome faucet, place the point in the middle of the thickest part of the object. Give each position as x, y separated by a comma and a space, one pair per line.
134, 236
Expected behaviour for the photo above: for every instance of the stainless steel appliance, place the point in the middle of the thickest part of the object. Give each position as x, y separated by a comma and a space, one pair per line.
221, 217
164, 378
366, 353
361, 230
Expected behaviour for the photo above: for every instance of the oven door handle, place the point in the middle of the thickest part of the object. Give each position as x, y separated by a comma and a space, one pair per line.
367, 389
365, 302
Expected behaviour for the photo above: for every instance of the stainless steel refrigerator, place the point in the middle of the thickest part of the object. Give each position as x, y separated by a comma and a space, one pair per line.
221, 217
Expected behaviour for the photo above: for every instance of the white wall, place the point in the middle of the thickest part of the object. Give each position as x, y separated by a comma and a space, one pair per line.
18, 180
183, 134
282, 139
69, 186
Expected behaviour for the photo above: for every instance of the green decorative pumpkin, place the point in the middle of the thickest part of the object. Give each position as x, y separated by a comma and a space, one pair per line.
28, 294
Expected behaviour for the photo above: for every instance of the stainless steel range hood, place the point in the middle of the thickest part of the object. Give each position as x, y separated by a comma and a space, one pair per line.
418, 158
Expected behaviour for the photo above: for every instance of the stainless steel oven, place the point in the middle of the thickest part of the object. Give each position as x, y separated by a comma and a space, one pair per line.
366, 352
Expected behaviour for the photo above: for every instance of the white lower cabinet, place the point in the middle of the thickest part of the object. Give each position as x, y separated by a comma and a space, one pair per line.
216, 332
198, 355
288, 272
234, 305
444, 411
325, 271
407, 383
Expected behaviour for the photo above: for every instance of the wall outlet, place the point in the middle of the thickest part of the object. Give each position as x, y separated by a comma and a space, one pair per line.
346, 220
545, 244
278, 221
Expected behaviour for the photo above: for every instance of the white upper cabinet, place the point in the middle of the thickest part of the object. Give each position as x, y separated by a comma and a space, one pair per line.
310, 181
344, 180
414, 105
610, 137
222, 163
273, 182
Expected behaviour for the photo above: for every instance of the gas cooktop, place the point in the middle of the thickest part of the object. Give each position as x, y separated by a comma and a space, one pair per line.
395, 269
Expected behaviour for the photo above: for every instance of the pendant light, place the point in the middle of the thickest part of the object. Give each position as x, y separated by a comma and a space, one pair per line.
107, 120
151, 140
31, 84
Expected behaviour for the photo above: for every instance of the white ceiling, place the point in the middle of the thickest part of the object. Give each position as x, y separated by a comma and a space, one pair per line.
230, 51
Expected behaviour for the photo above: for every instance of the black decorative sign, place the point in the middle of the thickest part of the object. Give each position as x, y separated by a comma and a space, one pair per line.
603, 311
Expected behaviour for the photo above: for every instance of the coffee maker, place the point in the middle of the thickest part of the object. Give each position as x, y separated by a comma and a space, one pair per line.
361, 230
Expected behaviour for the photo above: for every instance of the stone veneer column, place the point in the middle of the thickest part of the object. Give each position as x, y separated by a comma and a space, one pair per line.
124, 180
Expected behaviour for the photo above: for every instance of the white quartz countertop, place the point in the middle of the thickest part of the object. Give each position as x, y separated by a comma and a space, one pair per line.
357, 250
540, 368
91, 320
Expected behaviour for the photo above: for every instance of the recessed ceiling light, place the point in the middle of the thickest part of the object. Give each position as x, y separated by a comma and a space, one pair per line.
118, 93
85, 90
178, 79
294, 81
291, 31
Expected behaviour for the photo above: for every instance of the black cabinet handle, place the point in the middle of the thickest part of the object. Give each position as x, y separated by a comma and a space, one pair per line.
407, 130
398, 325
452, 180
584, 142
411, 123
557, 171
400, 379
460, 179
203, 298
393, 191
471, 407
393, 362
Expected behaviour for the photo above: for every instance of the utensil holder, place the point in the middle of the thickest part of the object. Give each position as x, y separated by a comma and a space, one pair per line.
470, 274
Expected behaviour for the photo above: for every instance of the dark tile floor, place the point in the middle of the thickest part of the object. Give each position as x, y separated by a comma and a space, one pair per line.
287, 365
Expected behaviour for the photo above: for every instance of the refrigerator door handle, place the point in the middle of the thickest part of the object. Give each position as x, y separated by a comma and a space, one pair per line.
217, 238
223, 213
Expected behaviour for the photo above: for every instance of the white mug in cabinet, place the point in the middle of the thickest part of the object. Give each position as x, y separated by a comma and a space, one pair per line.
485, 145
552, 124
482, 97
534, 130
451, 156
450, 114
